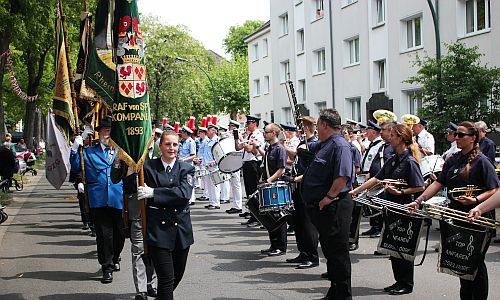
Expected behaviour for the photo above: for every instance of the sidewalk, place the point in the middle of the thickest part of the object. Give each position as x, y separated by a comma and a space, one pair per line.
44, 254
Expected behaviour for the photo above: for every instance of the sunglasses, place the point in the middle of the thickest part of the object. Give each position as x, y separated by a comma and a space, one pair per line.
461, 134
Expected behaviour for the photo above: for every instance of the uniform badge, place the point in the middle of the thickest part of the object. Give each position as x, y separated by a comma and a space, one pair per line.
190, 179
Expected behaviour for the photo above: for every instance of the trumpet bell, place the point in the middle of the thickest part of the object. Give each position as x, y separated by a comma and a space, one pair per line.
410, 119
383, 115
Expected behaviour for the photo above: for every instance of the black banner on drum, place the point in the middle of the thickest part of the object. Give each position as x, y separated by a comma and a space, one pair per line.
461, 250
400, 235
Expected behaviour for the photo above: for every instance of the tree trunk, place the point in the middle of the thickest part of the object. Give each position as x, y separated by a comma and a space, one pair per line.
4, 44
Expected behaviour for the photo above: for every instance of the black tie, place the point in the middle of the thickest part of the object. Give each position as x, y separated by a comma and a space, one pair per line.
416, 139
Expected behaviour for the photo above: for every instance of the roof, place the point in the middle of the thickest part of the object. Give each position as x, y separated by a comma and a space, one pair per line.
266, 27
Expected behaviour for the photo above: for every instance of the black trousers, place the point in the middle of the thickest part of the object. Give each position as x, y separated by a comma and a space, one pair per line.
169, 266
306, 234
333, 224
403, 271
110, 237
476, 289
251, 176
278, 238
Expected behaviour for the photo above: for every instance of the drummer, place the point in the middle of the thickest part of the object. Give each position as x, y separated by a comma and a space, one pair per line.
235, 181
187, 152
403, 165
467, 167
225, 186
202, 132
213, 189
273, 167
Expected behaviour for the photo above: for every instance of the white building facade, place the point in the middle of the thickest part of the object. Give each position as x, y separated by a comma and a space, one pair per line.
374, 42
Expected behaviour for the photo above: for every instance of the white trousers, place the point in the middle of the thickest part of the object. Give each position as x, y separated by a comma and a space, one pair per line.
235, 183
213, 192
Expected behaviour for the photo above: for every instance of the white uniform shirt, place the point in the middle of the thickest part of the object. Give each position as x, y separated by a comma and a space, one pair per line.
370, 154
425, 140
453, 149
256, 135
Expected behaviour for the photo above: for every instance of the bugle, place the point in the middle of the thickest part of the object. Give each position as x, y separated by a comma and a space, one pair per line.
439, 212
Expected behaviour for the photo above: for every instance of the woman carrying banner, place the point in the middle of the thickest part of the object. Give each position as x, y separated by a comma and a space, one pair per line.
467, 167
167, 190
403, 166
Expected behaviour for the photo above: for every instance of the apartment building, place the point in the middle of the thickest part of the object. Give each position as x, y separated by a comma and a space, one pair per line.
355, 55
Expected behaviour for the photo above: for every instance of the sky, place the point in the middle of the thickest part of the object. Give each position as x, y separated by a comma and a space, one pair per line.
208, 21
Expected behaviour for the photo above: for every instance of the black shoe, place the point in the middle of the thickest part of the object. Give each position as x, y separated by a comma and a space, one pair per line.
387, 289
266, 251
213, 207
375, 234
248, 222
85, 227
224, 201
370, 231
116, 267
92, 233
307, 265
324, 275
496, 241
233, 211
276, 252
202, 198
192, 203
141, 296
297, 260
353, 246
107, 277
242, 215
152, 292
290, 232
401, 291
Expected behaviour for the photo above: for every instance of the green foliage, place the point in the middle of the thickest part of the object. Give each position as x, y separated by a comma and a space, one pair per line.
234, 44
469, 90
231, 84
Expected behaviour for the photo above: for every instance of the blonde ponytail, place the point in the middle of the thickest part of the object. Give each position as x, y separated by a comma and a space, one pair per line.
415, 151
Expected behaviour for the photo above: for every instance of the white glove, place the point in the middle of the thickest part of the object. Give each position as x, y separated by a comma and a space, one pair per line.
77, 143
87, 131
145, 192
81, 188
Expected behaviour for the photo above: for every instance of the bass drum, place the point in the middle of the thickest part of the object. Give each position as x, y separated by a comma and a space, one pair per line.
271, 220
431, 164
226, 156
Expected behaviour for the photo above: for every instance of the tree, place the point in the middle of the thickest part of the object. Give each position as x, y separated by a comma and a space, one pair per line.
231, 83
234, 44
469, 90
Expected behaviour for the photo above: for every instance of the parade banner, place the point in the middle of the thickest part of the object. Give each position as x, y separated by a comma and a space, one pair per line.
100, 73
62, 104
400, 235
9, 68
461, 250
57, 164
131, 125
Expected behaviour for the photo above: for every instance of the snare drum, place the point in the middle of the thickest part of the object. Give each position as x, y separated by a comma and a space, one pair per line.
226, 156
431, 164
218, 177
361, 178
200, 173
274, 196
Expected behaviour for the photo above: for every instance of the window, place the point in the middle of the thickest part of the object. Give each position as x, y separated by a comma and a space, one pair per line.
354, 108
413, 32
285, 71
414, 101
265, 48
284, 23
320, 8
380, 11
353, 48
272, 116
319, 56
287, 115
300, 41
256, 87
266, 85
477, 15
255, 51
320, 106
380, 74
302, 90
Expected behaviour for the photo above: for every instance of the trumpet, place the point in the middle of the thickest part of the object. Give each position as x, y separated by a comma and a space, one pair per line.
467, 191
396, 183
444, 213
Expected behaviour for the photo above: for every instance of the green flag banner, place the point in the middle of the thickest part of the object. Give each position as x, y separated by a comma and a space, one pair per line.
131, 125
100, 73
62, 104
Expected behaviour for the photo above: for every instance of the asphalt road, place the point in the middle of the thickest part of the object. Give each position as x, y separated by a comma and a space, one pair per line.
44, 254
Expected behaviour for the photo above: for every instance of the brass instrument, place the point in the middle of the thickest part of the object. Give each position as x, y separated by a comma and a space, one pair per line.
383, 115
439, 212
467, 191
295, 111
397, 183
379, 204
410, 119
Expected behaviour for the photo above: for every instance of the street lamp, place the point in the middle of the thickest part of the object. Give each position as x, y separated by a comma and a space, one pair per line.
180, 59
435, 18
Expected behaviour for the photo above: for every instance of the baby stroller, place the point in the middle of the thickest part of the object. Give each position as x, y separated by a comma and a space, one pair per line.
27, 160
8, 167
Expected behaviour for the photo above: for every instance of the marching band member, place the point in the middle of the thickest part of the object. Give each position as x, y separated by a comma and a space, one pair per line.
202, 131
450, 137
251, 159
486, 145
324, 189
424, 139
187, 152
273, 168
225, 187
167, 190
373, 135
467, 167
235, 181
403, 165
213, 189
